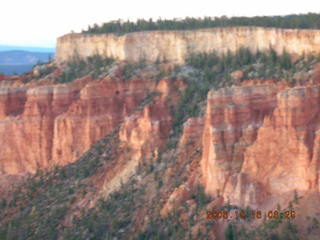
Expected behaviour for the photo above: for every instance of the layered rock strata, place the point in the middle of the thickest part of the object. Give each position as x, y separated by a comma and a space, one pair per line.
174, 46
42, 126
260, 141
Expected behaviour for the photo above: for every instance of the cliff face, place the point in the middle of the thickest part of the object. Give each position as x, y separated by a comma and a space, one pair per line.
142, 136
42, 126
261, 141
257, 140
174, 46
255, 144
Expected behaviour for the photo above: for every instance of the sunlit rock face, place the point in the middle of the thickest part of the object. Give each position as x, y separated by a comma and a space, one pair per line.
174, 46
42, 126
142, 137
146, 131
260, 141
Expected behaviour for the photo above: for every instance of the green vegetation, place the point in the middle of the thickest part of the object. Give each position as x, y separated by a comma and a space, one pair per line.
42, 203
303, 21
211, 71
130, 68
277, 228
78, 67
148, 99
110, 218
43, 70
270, 229
115, 218
39, 209
230, 232
200, 197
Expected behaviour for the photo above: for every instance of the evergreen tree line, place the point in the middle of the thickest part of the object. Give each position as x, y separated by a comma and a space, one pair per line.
77, 67
301, 21
214, 71
232, 61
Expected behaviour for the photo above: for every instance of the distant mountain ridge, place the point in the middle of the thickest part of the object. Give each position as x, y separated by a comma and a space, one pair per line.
17, 57
18, 61
26, 48
15, 69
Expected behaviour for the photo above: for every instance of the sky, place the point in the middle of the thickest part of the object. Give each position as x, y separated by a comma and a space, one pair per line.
40, 22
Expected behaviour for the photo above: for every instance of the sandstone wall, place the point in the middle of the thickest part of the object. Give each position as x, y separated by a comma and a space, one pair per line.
42, 126
175, 45
261, 141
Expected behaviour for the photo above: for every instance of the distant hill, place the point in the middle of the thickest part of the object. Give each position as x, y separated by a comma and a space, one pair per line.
15, 69
26, 48
23, 57
17, 61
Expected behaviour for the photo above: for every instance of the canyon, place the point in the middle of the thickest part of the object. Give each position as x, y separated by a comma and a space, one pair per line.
252, 143
44, 126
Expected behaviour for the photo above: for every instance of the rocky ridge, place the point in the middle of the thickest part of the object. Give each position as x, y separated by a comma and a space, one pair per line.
174, 46
261, 141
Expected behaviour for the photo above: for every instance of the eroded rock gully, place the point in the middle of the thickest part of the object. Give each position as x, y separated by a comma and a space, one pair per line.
261, 141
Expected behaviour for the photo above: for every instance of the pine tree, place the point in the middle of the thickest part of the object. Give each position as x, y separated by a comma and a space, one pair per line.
230, 233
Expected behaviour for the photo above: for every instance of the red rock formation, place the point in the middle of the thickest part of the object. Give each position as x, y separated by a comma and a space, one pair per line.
146, 131
261, 141
257, 140
141, 136
189, 153
54, 124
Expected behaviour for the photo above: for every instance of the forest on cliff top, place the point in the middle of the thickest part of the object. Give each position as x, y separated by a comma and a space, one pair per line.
294, 21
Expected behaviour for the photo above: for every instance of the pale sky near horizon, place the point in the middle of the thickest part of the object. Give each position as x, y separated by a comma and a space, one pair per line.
40, 22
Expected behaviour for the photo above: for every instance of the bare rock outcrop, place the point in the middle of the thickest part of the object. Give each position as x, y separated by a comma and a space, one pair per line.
42, 126
174, 46
261, 141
